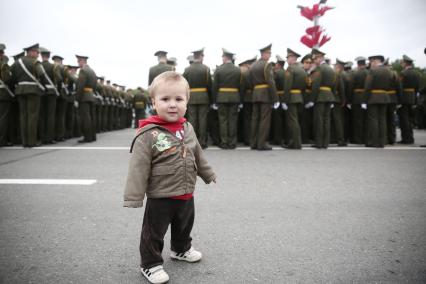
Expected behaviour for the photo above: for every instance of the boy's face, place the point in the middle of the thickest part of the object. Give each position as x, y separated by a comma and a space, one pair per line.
170, 101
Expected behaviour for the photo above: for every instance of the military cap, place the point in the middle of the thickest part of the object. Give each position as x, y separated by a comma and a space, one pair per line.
172, 60
54, 57
266, 48
406, 58
292, 53
2, 46
280, 59
348, 65
81, 57
73, 67
199, 51
101, 78
360, 58
19, 55
379, 57
306, 57
44, 50
340, 62
114, 84
317, 52
32, 47
108, 81
160, 53
228, 53
190, 58
248, 61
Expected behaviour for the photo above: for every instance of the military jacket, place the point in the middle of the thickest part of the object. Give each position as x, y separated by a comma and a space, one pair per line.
24, 83
156, 70
140, 100
227, 84
5, 76
86, 85
410, 81
395, 88
279, 78
200, 83
323, 84
377, 85
262, 80
48, 68
340, 96
356, 95
295, 84
247, 87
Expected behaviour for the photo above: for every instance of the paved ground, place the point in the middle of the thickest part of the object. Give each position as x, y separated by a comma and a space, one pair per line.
344, 215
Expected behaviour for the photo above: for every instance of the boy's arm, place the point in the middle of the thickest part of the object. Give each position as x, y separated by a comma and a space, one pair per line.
203, 168
139, 172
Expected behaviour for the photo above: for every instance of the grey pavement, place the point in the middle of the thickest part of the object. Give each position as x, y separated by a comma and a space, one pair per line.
343, 215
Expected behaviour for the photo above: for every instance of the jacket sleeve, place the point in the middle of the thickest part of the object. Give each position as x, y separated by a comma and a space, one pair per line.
203, 168
139, 172
288, 84
215, 87
269, 77
316, 83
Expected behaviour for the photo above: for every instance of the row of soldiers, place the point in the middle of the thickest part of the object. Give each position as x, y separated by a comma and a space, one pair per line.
44, 102
309, 102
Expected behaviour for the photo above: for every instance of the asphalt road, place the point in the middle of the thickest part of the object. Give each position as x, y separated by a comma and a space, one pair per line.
343, 215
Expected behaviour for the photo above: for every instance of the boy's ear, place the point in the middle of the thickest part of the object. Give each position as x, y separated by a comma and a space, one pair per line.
153, 103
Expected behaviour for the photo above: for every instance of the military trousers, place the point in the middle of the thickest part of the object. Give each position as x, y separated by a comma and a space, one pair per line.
390, 123
69, 119
14, 128
293, 115
197, 116
358, 119
337, 124
29, 110
61, 105
104, 118
87, 113
228, 119
406, 123
47, 118
4, 121
278, 127
376, 125
307, 125
159, 214
260, 124
213, 126
322, 124
247, 113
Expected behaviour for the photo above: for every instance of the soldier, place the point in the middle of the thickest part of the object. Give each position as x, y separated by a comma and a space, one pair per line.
307, 113
190, 59
6, 96
70, 81
161, 67
338, 106
247, 99
104, 107
172, 61
264, 98
27, 74
395, 89
347, 82
292, 101
200, 83
356, 100
278, 123
140, 101
410, 81
86, 84
59, 75
110, 103
227, 92
48, 101
377, 84
323, 88
98, 94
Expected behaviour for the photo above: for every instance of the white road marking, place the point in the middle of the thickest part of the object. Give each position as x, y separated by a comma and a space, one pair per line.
49, 181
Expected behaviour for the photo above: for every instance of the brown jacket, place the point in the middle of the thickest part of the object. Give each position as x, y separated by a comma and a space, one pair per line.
163, 166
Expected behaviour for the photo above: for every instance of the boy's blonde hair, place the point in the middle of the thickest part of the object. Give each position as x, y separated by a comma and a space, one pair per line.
166, 77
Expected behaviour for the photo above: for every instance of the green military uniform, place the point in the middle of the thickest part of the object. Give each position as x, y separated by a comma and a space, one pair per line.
307, 113
140, 102
278, 121
59, 74
356, 99
161, 67
323, 89
29, 91
109, 102
247, 99
48, 101
338, 107
70, 111
410, 81
264, 96
104, 105
6, 97
86, 85
227, 90
295, 87
377, 84
391, 107
200, 83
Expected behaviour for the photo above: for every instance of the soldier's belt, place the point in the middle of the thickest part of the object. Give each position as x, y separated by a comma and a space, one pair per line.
378, 91
262, 86
308, 91
198, 90
358, 90
409, 90
393, 92
280, 93
295, 91
231, 90
325, 88
142, 104
88, 90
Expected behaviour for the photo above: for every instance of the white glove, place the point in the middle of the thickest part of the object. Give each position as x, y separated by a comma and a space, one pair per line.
331, 106
284, 106
413, 106
349, 106
276, 105
76, 104
309, 105
240, 107
214, 106
398, 106
364, 106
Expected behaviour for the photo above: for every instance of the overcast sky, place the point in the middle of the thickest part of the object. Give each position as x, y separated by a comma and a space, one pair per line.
120, 37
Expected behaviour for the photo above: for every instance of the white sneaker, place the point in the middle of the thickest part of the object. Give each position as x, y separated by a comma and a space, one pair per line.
155, 275
190, 255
